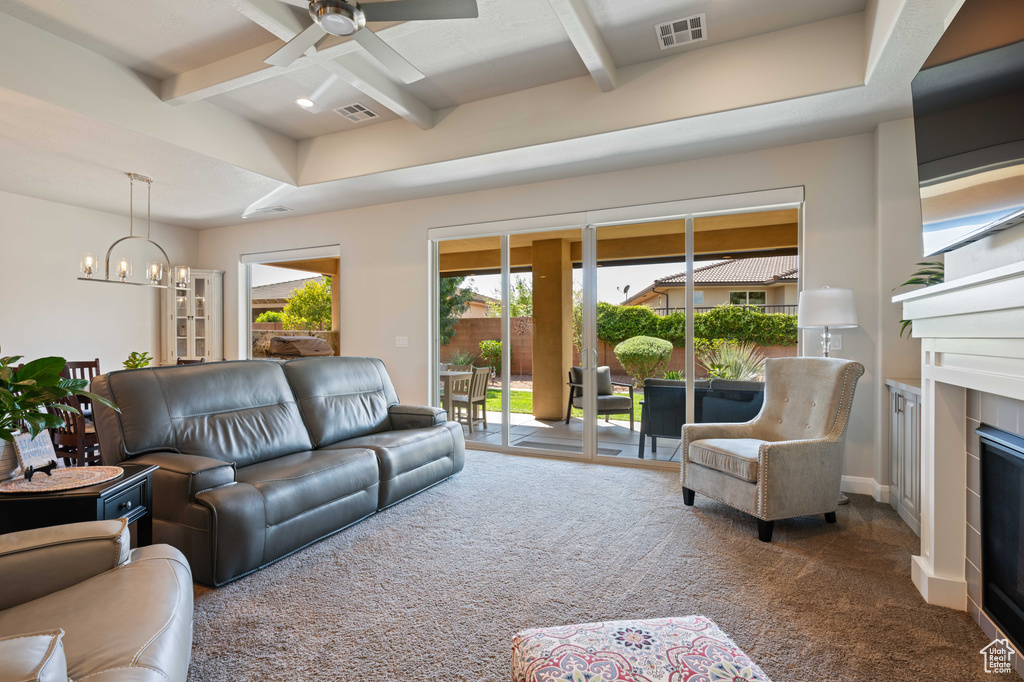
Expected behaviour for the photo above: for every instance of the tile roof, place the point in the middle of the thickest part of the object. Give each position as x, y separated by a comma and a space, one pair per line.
281, 290
740, 271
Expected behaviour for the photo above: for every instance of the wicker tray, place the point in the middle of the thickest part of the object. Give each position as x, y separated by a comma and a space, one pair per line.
61, 479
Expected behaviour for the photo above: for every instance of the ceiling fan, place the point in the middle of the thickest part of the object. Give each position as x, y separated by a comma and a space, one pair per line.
340, 18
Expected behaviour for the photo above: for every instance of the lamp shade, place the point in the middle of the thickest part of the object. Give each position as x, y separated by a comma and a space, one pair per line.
819, 308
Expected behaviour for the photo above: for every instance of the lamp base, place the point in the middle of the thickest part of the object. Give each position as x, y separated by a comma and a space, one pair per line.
826, 341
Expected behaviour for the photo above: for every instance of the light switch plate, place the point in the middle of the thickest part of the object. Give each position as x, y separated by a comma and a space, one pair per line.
837, 342
401, 342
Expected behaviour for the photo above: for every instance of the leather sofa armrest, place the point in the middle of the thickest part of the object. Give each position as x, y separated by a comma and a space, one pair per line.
190, 474
416, 416
37, 562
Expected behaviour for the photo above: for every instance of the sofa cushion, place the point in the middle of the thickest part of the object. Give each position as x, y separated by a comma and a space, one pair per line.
341, 398
734, 456
242, 412
35, 657
402, 452
302, 481
133, 622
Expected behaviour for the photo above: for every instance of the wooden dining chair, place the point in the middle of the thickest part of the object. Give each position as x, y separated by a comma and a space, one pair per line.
461, 386
465, 405
83, 369
76, 441
183, 361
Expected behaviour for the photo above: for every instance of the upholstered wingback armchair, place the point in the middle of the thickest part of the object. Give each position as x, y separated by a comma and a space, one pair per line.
787, 461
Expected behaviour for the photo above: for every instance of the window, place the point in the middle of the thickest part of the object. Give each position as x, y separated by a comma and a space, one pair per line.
747, 298
698, 298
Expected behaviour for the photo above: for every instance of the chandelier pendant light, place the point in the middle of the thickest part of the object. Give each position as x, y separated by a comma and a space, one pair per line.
179, 276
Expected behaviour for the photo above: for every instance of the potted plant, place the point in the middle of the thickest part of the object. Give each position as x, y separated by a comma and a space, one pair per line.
137, 360
25, 393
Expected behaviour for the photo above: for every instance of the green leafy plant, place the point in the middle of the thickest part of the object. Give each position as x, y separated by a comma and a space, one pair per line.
490, 356
747, 324
137, 360
734, 361
25, 394
309, 307
644, 356
461, 357
674, 375
520, 299
453, 300
928, 273
270, 316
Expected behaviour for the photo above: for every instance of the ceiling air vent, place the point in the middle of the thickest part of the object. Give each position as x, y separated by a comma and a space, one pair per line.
356, 113
682, 31
269, 209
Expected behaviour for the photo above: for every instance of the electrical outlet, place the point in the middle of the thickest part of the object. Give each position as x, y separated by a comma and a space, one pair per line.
837, 342
401, 342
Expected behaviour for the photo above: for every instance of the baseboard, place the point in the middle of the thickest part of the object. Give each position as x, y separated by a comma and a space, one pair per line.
881, 492
860, 485
948, 592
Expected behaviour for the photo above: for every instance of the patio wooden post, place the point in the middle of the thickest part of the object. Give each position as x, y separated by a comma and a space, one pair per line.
552, 326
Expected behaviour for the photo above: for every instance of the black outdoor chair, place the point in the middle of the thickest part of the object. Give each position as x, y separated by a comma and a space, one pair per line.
608, 402
663, 410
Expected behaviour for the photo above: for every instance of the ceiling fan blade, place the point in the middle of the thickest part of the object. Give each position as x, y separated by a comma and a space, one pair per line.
302, 4
386, 55
297, 46
420, 10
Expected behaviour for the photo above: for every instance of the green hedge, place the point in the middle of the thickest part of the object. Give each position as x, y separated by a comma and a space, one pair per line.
644, 356
617, 323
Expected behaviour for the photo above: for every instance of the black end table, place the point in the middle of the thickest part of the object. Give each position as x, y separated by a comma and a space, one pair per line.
128, 497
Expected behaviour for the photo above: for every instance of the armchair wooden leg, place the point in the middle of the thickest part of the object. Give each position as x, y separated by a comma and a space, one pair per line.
764, 530
688, 497
830, 517
654, 443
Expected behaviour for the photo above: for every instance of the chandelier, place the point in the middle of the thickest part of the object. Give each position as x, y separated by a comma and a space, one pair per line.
155, 270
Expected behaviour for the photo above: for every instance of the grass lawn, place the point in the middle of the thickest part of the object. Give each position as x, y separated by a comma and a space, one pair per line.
522, 402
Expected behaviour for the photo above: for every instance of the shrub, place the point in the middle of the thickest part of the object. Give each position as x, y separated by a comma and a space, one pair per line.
747, 324
644, 356
490, 355
270, 316
674, 375
461, 357
734, 361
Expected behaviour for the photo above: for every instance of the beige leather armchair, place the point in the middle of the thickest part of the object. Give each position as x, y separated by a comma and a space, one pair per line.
76, 602
787, 461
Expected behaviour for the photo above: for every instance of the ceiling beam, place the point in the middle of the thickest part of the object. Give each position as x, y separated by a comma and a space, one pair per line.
587, 40
248, 67
358, 72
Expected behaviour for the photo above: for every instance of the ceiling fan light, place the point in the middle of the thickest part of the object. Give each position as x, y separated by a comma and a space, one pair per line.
305, 102
336, 17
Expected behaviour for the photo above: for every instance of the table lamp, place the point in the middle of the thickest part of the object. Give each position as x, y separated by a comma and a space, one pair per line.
826, 309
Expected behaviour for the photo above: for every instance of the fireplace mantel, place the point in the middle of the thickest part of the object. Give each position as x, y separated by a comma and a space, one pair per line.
972, 337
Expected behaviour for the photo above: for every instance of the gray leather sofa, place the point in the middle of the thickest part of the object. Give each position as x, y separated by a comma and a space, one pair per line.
259, 458
76, 602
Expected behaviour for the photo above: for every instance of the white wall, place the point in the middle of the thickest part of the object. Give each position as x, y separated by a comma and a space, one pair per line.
47, 311
385, 251
899, 250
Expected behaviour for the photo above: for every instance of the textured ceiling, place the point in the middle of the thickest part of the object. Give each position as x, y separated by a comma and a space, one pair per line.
159, 38
52, 153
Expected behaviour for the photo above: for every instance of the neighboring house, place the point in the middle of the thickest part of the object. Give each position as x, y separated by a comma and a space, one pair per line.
274, 297
769, 282
479, 306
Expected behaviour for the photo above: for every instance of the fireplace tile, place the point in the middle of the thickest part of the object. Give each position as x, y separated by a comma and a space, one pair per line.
988, 627
973, 404
974, 474
974, 546
974, 611
973, 440
973, 576
999, 411
973, 510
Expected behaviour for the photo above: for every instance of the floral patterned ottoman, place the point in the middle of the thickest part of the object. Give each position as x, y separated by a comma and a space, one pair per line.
688, 649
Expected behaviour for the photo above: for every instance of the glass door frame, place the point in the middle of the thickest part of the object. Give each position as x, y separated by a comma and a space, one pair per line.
589, 222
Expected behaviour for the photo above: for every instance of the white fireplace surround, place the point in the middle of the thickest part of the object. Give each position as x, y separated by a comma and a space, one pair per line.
972, 337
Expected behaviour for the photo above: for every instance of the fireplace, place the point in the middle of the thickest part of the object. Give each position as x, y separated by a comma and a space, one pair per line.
1002, 531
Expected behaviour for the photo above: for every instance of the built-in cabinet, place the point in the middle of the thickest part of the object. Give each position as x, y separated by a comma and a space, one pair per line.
905, 450
193, 319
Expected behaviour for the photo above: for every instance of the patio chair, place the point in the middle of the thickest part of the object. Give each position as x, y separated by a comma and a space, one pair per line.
465, 405
608, 402
663, 410
786, 462
461, 386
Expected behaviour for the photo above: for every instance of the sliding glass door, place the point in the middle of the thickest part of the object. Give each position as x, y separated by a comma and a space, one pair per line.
574, 336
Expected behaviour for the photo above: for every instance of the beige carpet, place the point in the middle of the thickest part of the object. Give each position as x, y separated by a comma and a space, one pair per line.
434, 588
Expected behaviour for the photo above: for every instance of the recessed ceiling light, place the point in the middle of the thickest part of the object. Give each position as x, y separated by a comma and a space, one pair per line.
304, 102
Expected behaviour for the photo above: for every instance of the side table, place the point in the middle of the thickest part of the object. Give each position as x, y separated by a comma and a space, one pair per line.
128, 497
